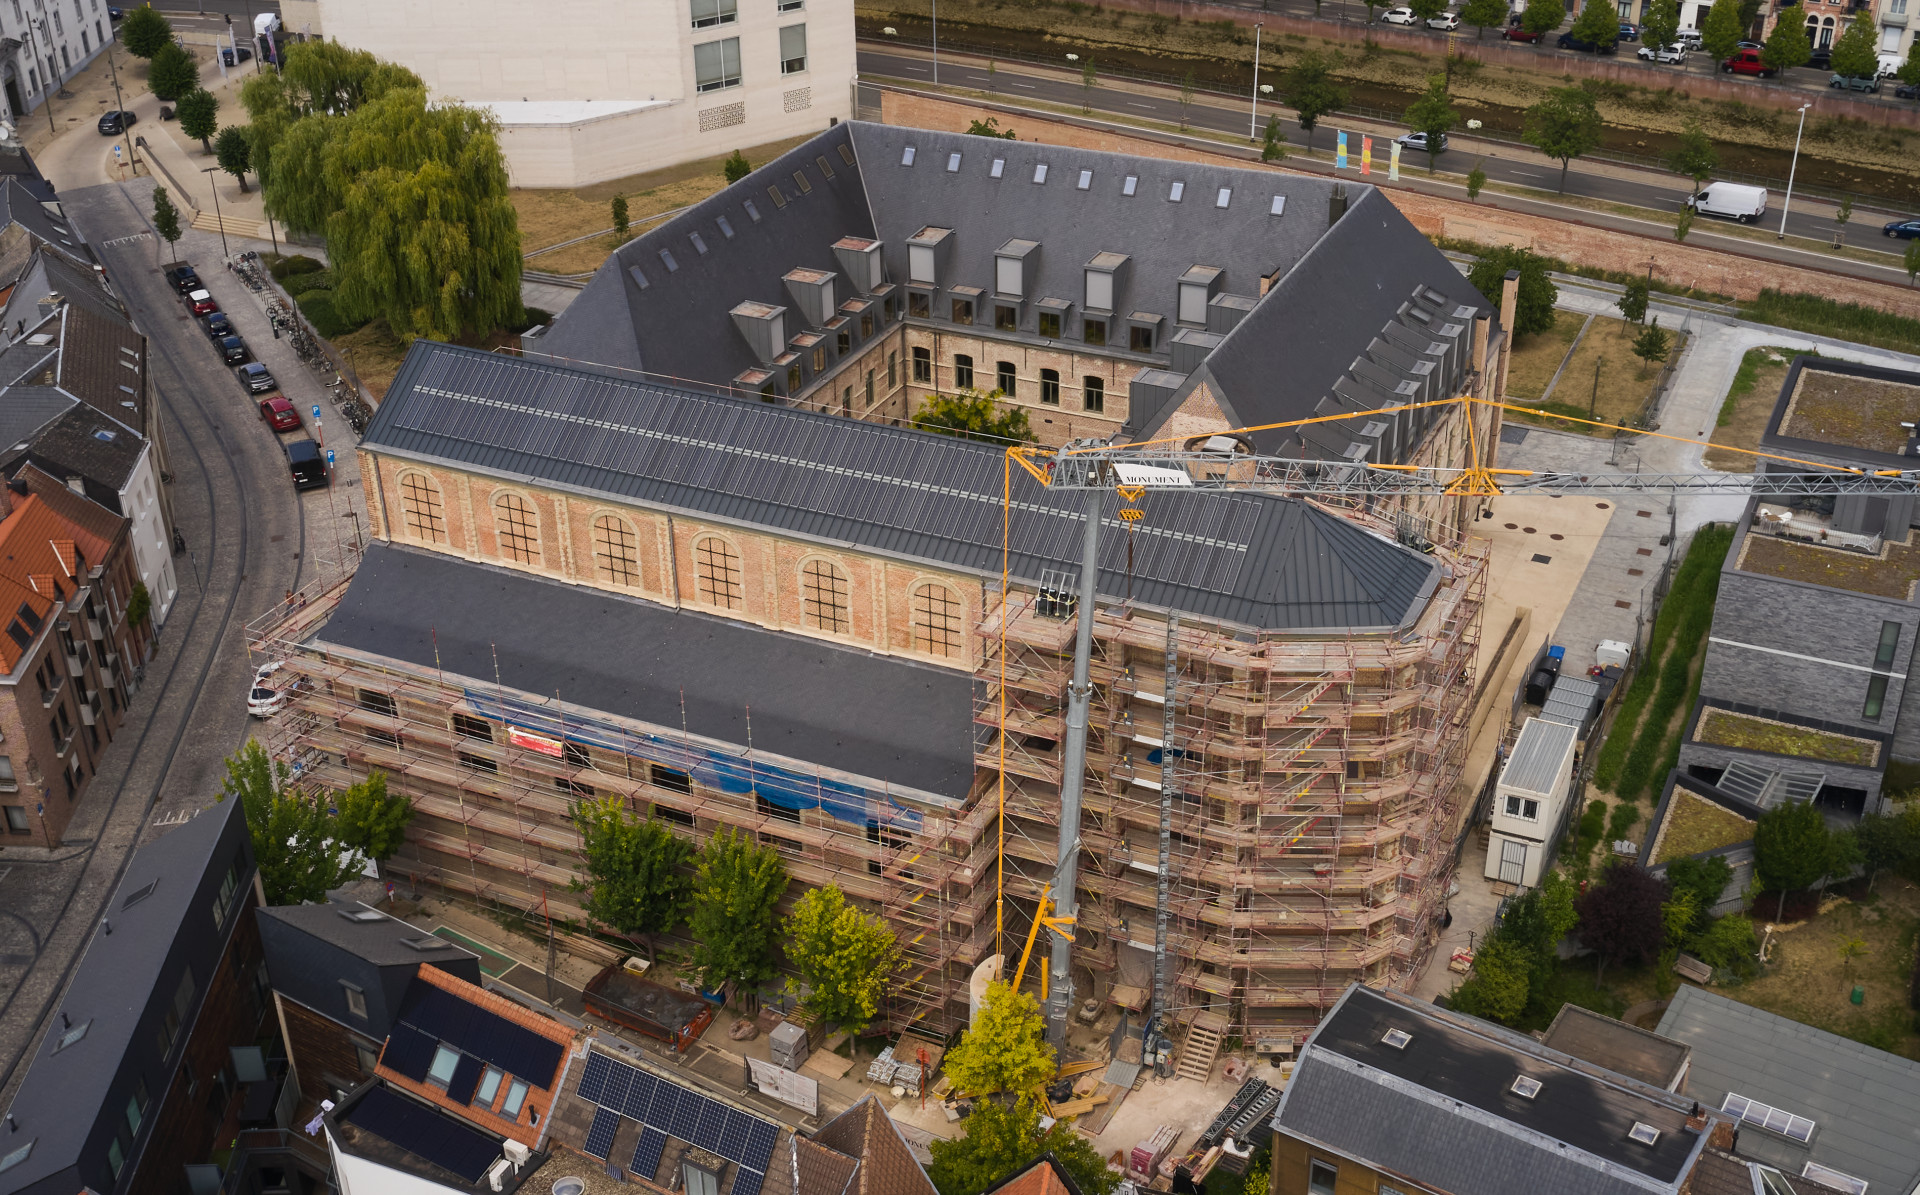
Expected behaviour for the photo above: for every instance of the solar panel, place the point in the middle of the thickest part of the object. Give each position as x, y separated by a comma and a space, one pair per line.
747, 1182
618, 1079
713, 1121
646, 1154
593, 1079
474, 1030
640, 1096
409, 1051
425, 1133
686, 1116
761, 1137
606, 1122
666, 1102
466, 1076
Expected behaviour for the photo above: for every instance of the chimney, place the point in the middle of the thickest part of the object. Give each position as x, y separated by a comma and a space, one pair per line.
50, 304
1509, 300
1336, 204
1225, 312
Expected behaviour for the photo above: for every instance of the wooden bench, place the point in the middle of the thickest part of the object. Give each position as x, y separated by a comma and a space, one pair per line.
1692, 968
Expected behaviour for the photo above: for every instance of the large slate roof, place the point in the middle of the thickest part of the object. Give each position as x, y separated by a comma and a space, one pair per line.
854, 711
1440, 1110
1258, 561
1862, 1101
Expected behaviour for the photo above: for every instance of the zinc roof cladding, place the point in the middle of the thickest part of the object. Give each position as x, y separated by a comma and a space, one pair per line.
1073, 226
1534, 764
1321, 315
850, 710
65, 1097
1860, 1099
1261, 562
677, 326
381, 941
1440, 1110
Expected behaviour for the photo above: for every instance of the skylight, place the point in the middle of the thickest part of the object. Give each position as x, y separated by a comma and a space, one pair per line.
1397, 1038
1221, 200
1040, 173
1132, 184
1278, 207
1086, 180
999, 167
1175, 192
752, 211
1838, 1180
953, 163
726, 229
1768, 1117
10, 1160
363, 914
699, 246
1645, 1134
906, 156
639, 279
139, 894
1525, 1086
73, 1034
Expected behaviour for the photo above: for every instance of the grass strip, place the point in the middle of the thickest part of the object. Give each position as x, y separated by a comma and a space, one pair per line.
1693, 619
1855, 322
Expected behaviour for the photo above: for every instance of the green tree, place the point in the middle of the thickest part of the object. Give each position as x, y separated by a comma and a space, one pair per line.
1787, 45
166, 222
1005, 1049
1533, 308
1910, 69
1660, 23
1566, 123
140, 602
1476, 182
234, 153
1620, 918
1728, 943
1678, 915
635, 879
990, 127
1542, 16
1186, 98
1633, 303
294, 844
1087, 79
1721, 33
372, 820
1855, 53
1484, 15
1501, 983
971, 414
1312, 91
1598, 23
845, 957
1791, 849
144, 31
620, 221
1275, 147
736, 887
320, 83
737, 167
1694, 155
1653, 344
1003, 1141
1683, 224
199, 114
1433, 114
1704, 879
1912, 260
172, 72
1424, 9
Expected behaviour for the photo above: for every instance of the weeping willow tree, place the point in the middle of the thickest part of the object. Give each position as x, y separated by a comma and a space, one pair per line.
411, 197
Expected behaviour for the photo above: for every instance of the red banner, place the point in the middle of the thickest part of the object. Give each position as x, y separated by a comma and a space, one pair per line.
534, 742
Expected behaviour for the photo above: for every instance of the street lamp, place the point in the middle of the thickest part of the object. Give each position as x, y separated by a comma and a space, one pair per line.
1253, 121
934, 6
51, 84
216, 216
1790, 169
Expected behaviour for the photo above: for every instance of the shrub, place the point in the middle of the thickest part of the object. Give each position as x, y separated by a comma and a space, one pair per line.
296, 263
1727, 944
318, 307
530, 317
300, 284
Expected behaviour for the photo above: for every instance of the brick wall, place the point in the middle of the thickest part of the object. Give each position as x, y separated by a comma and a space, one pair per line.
1054, 424
322, 1051
1676, 263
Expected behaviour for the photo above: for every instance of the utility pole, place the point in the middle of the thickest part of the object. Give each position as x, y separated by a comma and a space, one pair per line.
119, 105
1791, 168
224, 251
1253, 121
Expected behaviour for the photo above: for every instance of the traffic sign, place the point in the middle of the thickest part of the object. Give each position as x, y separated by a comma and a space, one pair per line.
329, 458
316, 410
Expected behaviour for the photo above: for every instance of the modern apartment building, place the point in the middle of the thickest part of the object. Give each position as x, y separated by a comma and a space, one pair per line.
591, 90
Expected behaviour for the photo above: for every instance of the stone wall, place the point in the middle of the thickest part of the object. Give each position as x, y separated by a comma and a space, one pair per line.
1717, 270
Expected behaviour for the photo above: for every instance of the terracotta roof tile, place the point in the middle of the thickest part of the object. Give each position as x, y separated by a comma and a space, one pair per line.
823, 1171
1044, 1177
887, 1166
32, 573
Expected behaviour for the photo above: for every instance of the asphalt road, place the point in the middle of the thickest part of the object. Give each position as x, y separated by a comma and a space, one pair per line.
251, 538
1012, 81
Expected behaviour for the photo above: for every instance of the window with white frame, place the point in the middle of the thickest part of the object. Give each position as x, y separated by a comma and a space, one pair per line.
708, 13
793, 49
1321, 1177
716, 64
1525, 808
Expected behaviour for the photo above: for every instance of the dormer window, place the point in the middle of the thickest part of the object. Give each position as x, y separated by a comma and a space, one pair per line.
925, 251
1104, 275
1011, 267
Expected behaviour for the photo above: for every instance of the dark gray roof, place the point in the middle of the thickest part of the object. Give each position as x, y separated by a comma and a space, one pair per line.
873, 716
1440, 1111
24, 410
380, 939
1250, 559
1862, 1100
85, 442
19, 205
1618, 1046
72, 1101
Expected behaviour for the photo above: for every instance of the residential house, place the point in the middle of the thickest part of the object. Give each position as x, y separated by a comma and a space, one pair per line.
42, 45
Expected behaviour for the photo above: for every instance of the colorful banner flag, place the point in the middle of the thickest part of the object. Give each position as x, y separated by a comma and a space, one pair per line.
1340, 151
528, 741
1393, 164
1366, 155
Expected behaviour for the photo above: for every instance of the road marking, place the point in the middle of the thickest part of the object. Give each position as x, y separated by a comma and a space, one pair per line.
128, 240
1028, 86
1148, 107
910, 66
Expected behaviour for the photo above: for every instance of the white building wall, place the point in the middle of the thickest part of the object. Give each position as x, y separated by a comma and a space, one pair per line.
152, 549
57, 39
530, 63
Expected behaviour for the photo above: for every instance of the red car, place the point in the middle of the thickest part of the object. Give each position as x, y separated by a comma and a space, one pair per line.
202, 302
1748, 62
279, 414
1516, 33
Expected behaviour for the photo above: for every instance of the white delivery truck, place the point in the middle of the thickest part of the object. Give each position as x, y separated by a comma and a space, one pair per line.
1529, 801
1731, 201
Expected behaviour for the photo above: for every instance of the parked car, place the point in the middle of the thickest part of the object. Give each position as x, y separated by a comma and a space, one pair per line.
308, 465
217, 326
1629, 31
1905, 230
114, 14
201, 302
1413, 141
182, 279
269, 693
1448, 21
1907, 91
1732, 201
1516, 33
232, 348
279, 414
1750, 45
255, 378
1748, 62
1569, 42
227, 55
113, 123
1855, 83
1398, 16
1821, 58
1671, 54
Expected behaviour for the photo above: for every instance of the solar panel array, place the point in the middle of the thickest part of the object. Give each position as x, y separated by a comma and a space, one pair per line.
425, 1133
606, 1122
438, 1014
666, 1109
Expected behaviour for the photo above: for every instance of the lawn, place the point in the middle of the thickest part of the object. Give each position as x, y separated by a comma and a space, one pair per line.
1694, 824
1809, 982
1727, 729
1748, 407
1616, 392
1535, 357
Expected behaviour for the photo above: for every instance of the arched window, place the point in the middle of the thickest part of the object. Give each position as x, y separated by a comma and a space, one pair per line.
716, 572
614, 551
518, 527
420, 507
824, 597
937, 615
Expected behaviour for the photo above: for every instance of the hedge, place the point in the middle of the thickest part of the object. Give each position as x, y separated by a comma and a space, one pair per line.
298, 263
1843, 321
300, 284
317, 306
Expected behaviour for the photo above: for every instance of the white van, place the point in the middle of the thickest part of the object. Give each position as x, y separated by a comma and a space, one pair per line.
1690, 38
1731, 201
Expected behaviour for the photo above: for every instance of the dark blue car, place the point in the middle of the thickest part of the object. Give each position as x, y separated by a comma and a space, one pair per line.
1905, 230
